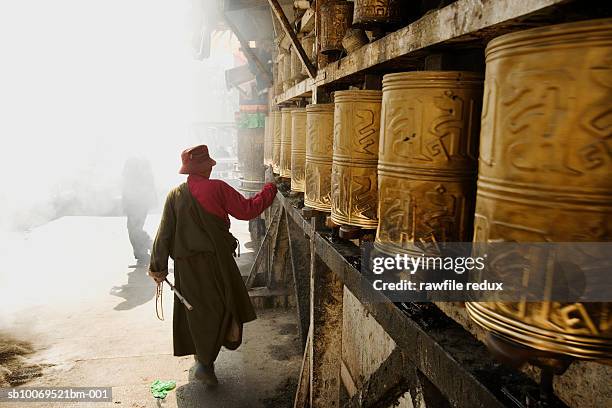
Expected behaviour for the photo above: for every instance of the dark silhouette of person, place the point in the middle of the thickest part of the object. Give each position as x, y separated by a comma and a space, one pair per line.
138, 198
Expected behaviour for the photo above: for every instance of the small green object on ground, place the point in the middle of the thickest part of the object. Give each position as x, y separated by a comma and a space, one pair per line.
160, 389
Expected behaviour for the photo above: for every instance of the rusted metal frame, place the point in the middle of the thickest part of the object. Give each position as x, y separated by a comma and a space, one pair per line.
248, 51
299, 251
435, 353
326, 314
263, 250
280, 15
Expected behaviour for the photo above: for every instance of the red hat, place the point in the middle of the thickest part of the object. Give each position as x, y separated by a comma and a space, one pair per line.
196, 160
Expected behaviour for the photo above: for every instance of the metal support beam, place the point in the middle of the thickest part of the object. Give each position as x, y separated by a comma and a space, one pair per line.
248, 51
280, 15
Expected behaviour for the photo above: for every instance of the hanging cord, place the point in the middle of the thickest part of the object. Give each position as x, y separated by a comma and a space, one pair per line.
159, 300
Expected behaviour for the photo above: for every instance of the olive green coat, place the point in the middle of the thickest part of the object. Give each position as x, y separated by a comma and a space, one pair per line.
205, 273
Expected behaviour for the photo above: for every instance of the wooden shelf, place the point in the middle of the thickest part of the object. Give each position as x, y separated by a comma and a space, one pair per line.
462, 24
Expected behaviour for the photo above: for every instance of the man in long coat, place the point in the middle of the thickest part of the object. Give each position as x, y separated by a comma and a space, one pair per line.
194, 232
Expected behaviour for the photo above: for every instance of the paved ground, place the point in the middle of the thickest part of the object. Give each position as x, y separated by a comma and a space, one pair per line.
68, 289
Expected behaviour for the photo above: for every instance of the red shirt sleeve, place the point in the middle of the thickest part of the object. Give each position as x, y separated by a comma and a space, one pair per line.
247, 208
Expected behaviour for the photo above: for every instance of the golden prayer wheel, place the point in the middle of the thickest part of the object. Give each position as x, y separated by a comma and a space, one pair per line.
298, 148
268, 140
544, 172
276, 140
278, 81
428, 158
371, 14
285, 144
296, 64
287, 82
355, 157
308, 44
319, 148
251, 151
336, 16
354, 39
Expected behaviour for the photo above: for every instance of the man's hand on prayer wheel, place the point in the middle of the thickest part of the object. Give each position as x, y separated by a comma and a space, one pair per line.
158, 277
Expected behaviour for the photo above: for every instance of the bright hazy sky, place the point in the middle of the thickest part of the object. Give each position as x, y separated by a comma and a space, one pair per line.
86, 83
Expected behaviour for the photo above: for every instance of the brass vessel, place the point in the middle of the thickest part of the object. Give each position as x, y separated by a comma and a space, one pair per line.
355, 157
308, 43
544, 171
319, 147
285, 144
251, 151
371, 14
354, 39
428, 158
298, 148
267, 159
276, 140
336, 16
287, 81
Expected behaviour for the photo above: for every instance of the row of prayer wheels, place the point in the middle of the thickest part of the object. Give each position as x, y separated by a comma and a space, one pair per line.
524, 156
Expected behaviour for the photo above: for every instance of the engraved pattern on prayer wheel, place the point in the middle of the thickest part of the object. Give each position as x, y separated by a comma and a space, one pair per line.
319, 148
285, 145
336, 18
251, 143
544, 171
355, 157
428, 158
376, 13
354, 39
298, 148
276, 140
268, 140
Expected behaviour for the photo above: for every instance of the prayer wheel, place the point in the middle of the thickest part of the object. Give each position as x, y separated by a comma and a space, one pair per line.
371, 14
308, 44
287, 81
251, 151
319, 147
268, 140
298, 148
355, 157
428, 158
336, 16
278, 80
296, 64
354, 39
276, 140
285, 144
544, 172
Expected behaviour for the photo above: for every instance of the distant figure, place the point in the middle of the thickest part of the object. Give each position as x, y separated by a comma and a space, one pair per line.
194, 231
138, 197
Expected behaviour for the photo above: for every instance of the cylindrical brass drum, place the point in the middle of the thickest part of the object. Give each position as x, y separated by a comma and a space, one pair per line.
276, 140
544, 171
268, 140
336, 16
354, 39
278, 80
370, 14
319, 148
251, 148
285, 145
308, 44
287, 81
296, 64
428, 158
355, 157
298, 148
